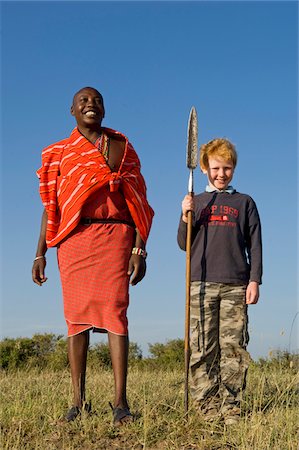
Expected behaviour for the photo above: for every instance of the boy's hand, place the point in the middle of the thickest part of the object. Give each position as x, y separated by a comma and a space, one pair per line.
252, 293
187, 205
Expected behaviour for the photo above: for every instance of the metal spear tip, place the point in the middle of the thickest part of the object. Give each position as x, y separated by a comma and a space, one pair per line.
192, 143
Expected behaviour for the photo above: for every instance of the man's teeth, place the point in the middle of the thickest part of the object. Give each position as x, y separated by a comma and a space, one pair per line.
90, 114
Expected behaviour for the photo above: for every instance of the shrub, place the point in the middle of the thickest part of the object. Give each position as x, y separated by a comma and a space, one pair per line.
280, 359
135, 353
100, 354
169, 355
58, 359
14, 353
50, 350
29, 352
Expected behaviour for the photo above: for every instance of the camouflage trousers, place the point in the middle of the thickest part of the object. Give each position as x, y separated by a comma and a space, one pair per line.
218, 340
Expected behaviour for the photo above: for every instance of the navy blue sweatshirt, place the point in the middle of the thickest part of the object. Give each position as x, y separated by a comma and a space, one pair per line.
226, 239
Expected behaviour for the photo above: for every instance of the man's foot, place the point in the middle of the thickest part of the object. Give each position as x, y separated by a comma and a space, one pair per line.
75, 411
72, 414
121, 416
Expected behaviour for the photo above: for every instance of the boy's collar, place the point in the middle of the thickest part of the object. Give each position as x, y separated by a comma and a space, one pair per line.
229, 189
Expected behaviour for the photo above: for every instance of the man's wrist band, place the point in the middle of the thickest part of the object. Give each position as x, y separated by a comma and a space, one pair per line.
139, 251
39, 257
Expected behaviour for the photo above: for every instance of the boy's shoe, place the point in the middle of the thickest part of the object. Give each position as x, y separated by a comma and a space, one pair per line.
210, 411
231, 420
231, 415
211, 415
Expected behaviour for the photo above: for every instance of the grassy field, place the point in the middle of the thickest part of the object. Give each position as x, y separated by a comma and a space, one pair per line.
32, 403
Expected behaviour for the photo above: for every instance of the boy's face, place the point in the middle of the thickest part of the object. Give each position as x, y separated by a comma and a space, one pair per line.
219, 173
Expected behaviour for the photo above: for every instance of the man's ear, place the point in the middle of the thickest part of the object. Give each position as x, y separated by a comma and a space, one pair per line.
72, 110
204, 170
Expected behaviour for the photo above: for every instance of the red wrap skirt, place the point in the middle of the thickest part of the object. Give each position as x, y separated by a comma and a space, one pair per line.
93, 263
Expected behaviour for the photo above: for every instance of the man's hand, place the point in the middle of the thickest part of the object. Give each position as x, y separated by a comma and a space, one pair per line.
252, 293
38, 271
136, 269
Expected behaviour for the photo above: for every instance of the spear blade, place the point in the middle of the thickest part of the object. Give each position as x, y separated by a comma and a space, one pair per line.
192, 142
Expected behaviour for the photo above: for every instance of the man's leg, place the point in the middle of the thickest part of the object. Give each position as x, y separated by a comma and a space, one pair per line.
233, 339
204, 346
119, 348
77, 354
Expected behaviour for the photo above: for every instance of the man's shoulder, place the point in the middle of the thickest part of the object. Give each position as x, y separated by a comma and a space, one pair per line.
113, 132
56, 146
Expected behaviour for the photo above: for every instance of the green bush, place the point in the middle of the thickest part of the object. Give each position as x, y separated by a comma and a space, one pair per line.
169, 355
58, 359
50, 351
280, 359
99, 354
135, 353
28, 352
15, 353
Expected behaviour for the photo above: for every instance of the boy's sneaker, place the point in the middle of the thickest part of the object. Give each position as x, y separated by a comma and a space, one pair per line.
231, 416
211, 415
231, 420
210, 411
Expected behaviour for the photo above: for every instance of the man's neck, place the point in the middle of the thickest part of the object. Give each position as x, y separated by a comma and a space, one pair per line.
91, 134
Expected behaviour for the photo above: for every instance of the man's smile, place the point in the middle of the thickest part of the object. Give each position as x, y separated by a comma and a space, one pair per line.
91, 113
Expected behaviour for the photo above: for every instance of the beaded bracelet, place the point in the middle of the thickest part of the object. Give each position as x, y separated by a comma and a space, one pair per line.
139, 251
39, 257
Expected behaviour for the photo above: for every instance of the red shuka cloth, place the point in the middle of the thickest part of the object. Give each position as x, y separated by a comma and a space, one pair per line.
73, 169
93, 264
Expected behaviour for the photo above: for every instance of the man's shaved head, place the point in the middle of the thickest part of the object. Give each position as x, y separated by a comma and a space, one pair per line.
88, 88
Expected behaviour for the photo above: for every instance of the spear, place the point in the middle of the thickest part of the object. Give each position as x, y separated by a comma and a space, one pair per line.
192, 156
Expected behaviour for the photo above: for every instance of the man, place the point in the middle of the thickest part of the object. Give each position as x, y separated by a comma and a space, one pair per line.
97, 215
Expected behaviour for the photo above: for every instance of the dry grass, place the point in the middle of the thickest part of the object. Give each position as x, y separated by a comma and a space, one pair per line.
33, 402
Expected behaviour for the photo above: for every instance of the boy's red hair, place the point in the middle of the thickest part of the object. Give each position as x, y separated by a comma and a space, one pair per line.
217, 148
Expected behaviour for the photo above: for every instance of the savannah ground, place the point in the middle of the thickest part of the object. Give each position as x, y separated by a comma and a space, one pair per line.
33, 401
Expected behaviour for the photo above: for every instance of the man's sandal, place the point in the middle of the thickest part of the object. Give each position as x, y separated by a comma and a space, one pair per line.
75, 411
121, 416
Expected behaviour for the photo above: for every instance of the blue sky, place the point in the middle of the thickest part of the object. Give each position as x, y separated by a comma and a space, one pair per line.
236, 62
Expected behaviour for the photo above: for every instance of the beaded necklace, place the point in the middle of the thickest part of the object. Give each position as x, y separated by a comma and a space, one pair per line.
103, 145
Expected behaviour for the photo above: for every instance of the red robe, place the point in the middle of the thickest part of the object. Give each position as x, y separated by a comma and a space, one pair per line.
73, 169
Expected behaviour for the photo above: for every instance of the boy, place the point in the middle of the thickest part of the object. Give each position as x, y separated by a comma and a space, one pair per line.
226, 270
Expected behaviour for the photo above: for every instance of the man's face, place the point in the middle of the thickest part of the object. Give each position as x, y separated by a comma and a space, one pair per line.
88, 108
219, 173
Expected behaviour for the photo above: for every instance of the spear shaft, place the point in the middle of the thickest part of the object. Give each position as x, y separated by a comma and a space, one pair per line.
192, 152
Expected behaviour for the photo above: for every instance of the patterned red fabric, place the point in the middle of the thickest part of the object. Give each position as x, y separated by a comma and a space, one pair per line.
93, 263
73, 169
